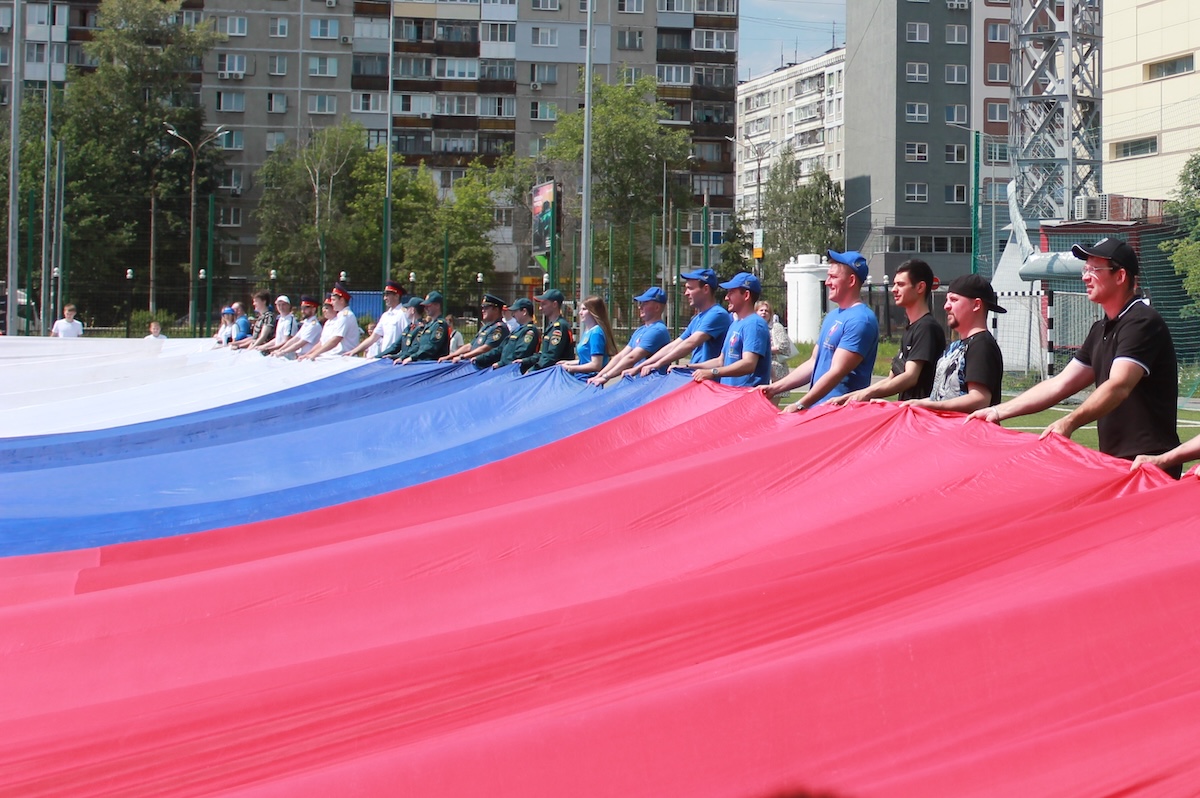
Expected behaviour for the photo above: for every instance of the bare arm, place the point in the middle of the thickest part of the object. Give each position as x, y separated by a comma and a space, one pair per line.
1074, 378
844, 362
1176, 457
1122, 378
977, 397
616, 365
895, 384
363, 345
746, 364
673, 351
797, 377
321, 348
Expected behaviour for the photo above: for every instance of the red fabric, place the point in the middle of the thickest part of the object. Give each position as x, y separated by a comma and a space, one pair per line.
699, 598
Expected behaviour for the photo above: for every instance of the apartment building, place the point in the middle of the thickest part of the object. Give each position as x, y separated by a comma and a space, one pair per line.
1151, 112
801, 106
927, 75
470, 79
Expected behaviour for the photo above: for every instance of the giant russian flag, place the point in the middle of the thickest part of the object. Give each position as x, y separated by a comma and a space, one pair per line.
344, 579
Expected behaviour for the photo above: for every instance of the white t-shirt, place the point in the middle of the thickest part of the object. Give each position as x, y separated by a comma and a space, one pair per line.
345, 325
285, 328
159, 337
68, 329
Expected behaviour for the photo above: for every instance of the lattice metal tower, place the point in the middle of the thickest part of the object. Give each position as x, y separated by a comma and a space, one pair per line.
1055, 135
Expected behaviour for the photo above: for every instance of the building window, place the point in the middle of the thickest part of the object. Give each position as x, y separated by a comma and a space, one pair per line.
544, 5
583, 37
997, 32
631, 6
277, 64
498, 32
543, 110
232, 140
276, 103
916, 112
956, 114
455, 105
629, 40
916, 152
1173, 66
456, 32
229, 216
956, 73
322, 104
231, 101
916, 72
543, 73
545, 37
415, 30
414, 67
916, 192
997, 73
277, 27
231, 62
371, 28
997, 152
956, 34
230, 178
366, 102
322, 28
956, 153
230, 26
631, 75
917, 32
681, 6
275, 139
498, 107
724, 41
322, 66
673, 75
497, 69
956, 194
723, 7
231, 254
1137, 147
457, 68
363, 64
716, 76
997, 112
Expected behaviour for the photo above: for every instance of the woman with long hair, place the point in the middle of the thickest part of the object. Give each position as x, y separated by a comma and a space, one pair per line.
596, 343
782, 347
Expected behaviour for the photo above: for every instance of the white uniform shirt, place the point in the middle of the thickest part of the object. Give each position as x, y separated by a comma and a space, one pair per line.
345, 325
389, 328
310, 333
285, 328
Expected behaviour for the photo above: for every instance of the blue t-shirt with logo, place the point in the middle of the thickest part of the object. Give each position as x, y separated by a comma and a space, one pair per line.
855, 329
651, 337
750, 334
714, 321
592, 343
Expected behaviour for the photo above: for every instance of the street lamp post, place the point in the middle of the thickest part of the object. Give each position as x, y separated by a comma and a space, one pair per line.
412, 282
846, 223
274, 276
129, 304
192, 254
479, 282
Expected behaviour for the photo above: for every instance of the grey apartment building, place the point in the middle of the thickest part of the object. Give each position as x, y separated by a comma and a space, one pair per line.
470, 79
924, 76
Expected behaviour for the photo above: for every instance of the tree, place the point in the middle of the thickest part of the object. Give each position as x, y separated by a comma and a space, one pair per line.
629, 147
1184, 252
799, 216
735, 249
112, 124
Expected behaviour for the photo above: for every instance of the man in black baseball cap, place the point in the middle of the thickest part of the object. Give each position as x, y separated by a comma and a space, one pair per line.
1129, 357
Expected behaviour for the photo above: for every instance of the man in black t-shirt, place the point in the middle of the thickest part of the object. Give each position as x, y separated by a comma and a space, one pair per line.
967, 377
1128, 355
920, 346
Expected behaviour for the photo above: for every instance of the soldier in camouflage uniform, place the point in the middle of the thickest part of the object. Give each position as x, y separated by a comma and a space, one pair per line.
487, 345
557, 342
524, 340
433, 341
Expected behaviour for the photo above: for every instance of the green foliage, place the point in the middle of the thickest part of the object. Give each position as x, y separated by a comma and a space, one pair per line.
629, 148
1184, 252
799, 216
737, 246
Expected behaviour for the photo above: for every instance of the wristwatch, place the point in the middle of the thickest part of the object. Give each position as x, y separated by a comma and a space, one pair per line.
715, 373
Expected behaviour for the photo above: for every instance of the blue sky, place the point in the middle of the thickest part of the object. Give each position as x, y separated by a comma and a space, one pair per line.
803, 27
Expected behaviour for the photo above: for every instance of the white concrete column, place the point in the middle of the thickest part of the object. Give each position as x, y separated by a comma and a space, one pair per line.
804, 275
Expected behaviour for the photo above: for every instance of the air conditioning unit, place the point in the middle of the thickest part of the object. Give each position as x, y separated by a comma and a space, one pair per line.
236, 191
347, 40
958, 4
222, 76
426, 115
535, 86
330, 3
237, 75
5, 29
1091, 208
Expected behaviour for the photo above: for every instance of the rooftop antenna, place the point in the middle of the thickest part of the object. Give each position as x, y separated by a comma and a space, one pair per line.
832, 36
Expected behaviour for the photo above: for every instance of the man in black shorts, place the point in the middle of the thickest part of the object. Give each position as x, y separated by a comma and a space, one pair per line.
921, 345
1128, 355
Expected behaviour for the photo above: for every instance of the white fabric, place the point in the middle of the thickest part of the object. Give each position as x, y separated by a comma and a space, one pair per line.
68, 329
54, 386
159, 337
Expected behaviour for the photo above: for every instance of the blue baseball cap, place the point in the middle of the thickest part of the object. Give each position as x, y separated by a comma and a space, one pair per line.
226, 311
653, 294
522, 303
744, 280
703, 275
855, 260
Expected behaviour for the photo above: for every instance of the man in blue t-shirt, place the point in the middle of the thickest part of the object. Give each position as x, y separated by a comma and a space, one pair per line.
746, 359
645, 341
705, 334
844, 357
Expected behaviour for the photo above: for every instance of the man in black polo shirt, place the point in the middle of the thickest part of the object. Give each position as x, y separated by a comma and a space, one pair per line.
1128, 355
920, 346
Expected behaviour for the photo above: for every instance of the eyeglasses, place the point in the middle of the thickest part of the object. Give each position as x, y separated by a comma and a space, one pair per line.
1090, 269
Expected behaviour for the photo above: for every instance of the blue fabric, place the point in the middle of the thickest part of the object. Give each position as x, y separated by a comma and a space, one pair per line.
241, 328
855, 329
355, 438
748, 335
593, 343
714, 321
651, 337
